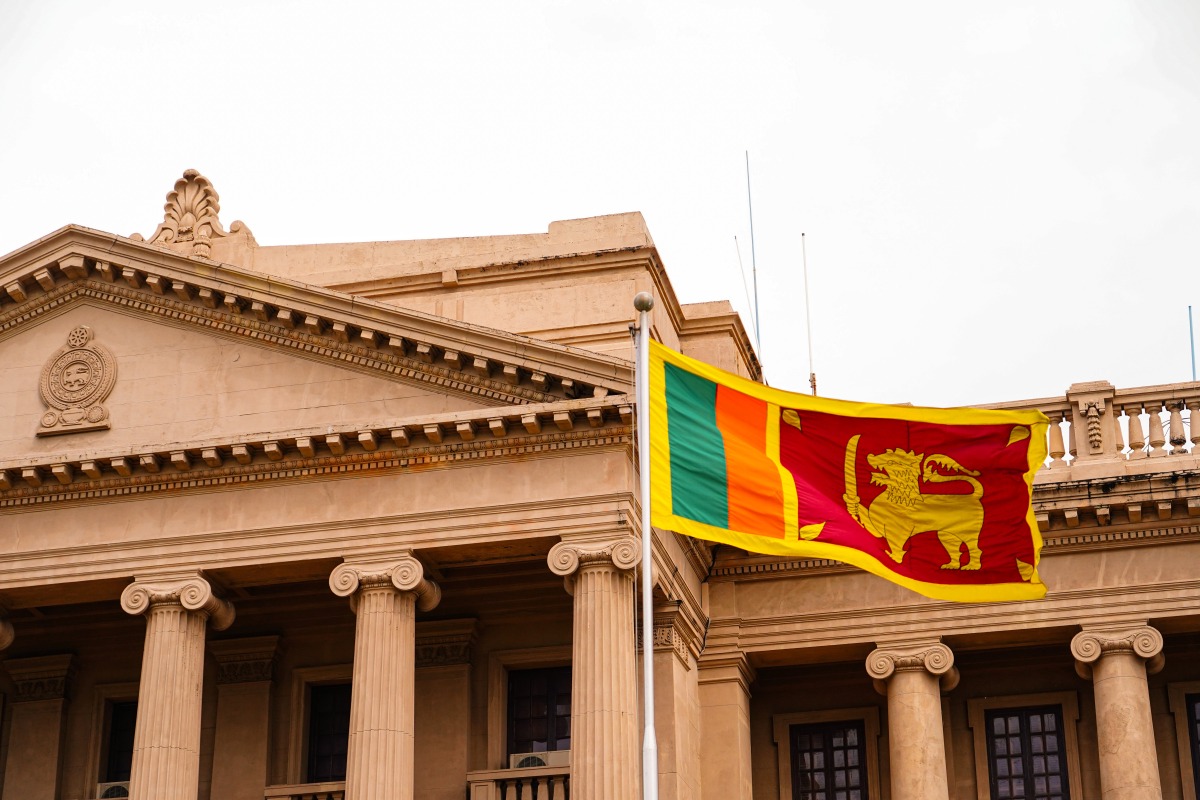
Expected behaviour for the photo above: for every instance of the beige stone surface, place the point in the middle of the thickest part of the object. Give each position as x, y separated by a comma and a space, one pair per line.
725, 728
1117, 661
604, 735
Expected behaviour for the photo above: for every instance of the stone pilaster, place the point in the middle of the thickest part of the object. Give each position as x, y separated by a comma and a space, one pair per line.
725, 766
1117, 660
605, 741
245, 668
385, 594
913, 676
35, 744
676, 645
166, 744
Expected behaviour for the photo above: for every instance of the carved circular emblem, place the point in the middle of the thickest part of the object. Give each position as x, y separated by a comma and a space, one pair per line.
75, 381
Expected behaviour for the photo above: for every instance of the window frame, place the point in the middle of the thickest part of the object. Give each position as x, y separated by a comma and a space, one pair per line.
977, 709
1177, 702
302, 679
499, 663
868, 716
103, 695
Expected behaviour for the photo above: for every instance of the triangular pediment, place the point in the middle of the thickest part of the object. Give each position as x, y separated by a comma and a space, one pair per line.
206, 352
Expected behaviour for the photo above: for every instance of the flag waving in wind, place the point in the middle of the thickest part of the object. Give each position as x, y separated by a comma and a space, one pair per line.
937, 500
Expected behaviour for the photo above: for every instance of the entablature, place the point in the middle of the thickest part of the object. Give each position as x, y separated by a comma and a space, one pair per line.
501, 432
76, 263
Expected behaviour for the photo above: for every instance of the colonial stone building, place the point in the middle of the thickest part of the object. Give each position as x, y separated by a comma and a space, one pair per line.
360, 520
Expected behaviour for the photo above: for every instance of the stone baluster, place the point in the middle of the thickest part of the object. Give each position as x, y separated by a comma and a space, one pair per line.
166, 743
1193, 407
385, 594
1176, 437
604, 715
913, 676
1157, 439
1057, 448
1137, 440
1118, 660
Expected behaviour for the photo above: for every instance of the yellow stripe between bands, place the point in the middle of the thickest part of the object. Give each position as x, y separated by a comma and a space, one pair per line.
791, 505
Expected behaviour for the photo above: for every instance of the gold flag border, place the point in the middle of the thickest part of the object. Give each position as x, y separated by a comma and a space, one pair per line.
660, 476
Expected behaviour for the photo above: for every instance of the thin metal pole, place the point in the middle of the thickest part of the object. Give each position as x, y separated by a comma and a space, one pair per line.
753, 262
812, 373
1192, 339
643, 303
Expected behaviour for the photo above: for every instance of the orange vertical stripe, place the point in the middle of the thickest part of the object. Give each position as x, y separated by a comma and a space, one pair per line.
755, 493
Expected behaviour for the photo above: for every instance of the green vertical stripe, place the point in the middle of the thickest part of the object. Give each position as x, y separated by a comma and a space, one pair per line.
698, 483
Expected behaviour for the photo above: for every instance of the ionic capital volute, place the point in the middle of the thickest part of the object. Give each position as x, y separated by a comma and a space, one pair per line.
403, 573
190, 590
933, 657
567, 557
1093, 643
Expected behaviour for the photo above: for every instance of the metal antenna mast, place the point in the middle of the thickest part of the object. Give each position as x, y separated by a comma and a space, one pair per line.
753, 262
812, 374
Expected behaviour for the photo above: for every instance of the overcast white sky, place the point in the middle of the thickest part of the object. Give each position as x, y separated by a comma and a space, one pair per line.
1000, 198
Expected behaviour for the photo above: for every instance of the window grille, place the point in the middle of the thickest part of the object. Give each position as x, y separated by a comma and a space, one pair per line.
829, 761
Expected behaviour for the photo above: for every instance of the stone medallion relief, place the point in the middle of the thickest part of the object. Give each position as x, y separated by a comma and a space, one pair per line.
75, 383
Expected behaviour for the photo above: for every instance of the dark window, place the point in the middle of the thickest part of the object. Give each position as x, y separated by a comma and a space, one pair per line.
539, 710
829, 761
328, 732
1193, 711
118, 759
1027, 754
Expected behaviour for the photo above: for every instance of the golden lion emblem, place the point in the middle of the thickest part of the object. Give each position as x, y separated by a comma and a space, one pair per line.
903, 511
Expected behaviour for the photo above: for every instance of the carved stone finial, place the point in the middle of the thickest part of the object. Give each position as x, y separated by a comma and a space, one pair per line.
190, 220
75, 382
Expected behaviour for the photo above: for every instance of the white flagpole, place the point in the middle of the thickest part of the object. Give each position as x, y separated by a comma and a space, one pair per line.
643, 302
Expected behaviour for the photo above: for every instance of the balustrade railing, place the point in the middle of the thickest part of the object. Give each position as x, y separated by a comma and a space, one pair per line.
307, 791
1096, 423
533, 783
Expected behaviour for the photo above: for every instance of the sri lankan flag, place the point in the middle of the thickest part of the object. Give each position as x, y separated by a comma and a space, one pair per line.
937, 500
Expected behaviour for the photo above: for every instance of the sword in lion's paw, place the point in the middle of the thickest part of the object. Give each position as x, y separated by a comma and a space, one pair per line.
851, 495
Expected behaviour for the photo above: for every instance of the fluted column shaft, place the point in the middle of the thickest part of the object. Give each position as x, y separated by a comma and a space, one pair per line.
385, 596
913, 677
1118, 660
605, 754
166, 742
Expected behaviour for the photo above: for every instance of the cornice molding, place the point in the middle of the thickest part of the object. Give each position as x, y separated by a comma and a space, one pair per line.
402, 573
321, 323
1093, 643
190, 590
353, 448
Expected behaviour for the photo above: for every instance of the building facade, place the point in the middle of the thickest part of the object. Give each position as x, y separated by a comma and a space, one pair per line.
324, 521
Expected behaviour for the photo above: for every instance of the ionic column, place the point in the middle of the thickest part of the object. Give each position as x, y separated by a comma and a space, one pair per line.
385, 595
1118, 660
605, 741
37, 716
166, 742
913, 676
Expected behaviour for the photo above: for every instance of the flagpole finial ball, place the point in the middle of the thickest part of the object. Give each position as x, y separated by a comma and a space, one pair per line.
643, 301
